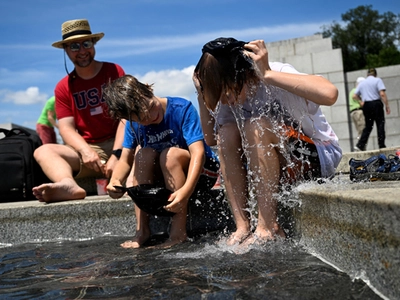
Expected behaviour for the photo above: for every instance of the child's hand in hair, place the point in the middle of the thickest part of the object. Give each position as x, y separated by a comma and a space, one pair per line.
259, 53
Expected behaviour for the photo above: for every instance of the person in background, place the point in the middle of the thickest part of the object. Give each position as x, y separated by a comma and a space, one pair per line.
267, 122
372, 93
355, 108
92, 139
47, 122
164, 144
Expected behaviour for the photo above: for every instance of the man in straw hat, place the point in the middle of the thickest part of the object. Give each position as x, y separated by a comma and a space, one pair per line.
372, 92
92, 137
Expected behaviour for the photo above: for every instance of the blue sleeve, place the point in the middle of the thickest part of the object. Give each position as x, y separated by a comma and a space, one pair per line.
192, 131
130, 141
381, 85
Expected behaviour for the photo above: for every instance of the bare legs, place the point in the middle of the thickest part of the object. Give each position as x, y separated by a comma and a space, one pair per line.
144, 172
172, 163
234, 174
58, 163
264, 163
142, 230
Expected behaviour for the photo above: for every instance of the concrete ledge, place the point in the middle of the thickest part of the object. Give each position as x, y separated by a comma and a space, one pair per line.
95, 216
81, 219
355, 227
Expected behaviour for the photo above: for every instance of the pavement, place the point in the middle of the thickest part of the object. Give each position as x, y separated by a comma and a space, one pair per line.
350, 225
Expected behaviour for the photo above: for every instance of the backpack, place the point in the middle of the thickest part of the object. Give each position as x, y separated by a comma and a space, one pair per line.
19, 171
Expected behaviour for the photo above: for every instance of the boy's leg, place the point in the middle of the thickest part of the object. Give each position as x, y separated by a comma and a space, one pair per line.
144, 172
174, 164
142, 230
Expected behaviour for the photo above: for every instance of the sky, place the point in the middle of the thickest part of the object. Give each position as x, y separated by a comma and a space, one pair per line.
158, 41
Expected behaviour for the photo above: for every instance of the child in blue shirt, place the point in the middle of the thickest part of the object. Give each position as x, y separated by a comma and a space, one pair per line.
164, 144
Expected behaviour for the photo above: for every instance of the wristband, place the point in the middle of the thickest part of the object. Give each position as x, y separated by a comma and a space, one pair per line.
117, 153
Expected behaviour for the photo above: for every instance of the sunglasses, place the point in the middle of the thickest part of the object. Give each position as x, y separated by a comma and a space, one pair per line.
74, 47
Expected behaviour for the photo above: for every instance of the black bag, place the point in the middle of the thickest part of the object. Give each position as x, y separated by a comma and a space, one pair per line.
19, 171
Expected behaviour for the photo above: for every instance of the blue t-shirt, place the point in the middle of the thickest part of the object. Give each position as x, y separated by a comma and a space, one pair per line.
180, 128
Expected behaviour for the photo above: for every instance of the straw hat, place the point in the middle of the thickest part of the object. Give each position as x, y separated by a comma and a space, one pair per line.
74, 30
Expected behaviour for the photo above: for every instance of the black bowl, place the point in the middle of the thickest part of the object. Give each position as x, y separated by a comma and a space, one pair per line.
149, 198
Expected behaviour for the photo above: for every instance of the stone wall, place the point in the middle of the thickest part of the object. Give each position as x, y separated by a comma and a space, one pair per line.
315, 55
391, 78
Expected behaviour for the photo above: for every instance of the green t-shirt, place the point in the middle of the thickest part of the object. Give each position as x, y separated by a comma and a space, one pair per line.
43, 116
353, 104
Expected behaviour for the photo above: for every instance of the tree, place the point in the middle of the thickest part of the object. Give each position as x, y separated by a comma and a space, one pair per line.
367, 38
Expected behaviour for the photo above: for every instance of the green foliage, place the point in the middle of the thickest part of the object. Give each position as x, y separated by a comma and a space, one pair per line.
367, 38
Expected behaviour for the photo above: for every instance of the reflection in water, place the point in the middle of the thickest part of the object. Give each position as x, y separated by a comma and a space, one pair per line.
202, 269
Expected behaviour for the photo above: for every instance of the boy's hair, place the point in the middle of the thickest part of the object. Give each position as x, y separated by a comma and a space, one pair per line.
223, 67
126, 96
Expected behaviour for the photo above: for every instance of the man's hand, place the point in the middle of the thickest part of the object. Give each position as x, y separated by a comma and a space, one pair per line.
91, 159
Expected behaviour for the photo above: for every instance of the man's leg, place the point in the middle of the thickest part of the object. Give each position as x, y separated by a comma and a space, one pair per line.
58, 162
369, 124
359, 121
380, 123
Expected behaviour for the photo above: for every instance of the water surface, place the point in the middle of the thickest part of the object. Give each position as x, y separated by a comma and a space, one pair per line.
201, 269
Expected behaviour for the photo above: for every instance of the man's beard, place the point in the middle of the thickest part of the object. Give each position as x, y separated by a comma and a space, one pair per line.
84, 63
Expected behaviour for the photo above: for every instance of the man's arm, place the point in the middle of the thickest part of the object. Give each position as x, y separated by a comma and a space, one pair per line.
358, 98
71, 137
385, 101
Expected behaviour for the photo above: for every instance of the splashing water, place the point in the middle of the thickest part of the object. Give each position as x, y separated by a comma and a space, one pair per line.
264, 107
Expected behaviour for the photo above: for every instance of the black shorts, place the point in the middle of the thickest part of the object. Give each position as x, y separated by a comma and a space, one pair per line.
209, 174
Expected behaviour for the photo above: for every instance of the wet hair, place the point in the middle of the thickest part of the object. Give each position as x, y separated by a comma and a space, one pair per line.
223, 67
126, 96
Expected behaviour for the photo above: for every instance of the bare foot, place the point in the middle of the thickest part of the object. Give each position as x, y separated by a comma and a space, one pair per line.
237, 237
137, 241
66, 189
262, 237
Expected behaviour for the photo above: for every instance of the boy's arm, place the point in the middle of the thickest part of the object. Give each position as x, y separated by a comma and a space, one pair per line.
197, 158
119, 138
182, 195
